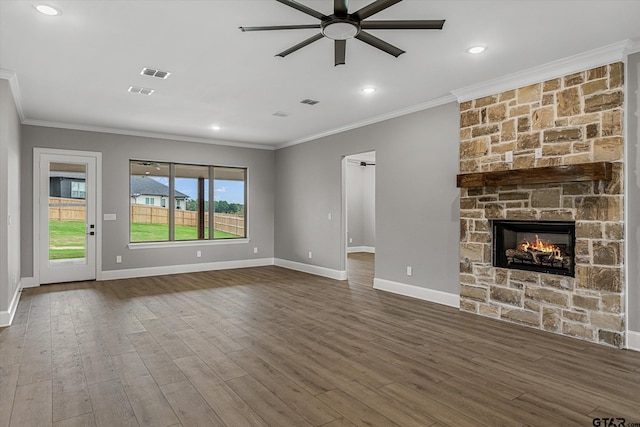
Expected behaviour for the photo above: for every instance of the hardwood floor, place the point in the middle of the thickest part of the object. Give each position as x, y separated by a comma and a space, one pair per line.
273, 347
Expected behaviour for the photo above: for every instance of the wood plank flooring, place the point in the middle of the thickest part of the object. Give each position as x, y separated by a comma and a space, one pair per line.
273, 347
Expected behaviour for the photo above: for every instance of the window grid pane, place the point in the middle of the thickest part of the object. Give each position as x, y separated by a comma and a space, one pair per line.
148, 181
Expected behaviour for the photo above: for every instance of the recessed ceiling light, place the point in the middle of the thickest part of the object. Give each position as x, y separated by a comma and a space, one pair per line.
215, 127
47, 10
476, 49
369, 89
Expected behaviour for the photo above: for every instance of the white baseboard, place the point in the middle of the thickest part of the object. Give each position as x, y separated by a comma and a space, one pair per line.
6, 317
184, 268
29, 282
367, 249
440, 297
311, 269
633, 340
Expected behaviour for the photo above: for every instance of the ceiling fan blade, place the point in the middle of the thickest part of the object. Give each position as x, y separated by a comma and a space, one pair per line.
373, 8
340, 51
380, 44
340, 7
403, 25
301, 45
280, 27
302, 8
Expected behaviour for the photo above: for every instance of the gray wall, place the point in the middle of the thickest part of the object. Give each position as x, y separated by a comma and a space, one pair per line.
9, 196
361, 186
369, 206
416, 198
116, 151
633, 192
354, 182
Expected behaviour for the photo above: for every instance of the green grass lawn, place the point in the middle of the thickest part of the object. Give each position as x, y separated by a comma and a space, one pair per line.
67, 238
160, 232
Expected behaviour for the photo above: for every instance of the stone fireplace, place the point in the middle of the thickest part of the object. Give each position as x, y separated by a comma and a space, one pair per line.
572, 120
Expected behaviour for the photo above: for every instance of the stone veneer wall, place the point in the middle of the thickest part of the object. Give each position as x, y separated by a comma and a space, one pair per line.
573, 119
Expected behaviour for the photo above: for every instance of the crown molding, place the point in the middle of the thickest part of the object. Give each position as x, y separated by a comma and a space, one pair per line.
402, 112
572, 64
158, 135
12, 77
633, 47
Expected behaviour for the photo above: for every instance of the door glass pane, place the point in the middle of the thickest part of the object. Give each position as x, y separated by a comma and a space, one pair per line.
192, 202
149, 216
229, 191
67, 214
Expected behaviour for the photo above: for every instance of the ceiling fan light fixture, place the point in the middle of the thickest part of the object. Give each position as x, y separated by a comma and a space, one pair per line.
341, 26
341, 30
45, 9
474, 50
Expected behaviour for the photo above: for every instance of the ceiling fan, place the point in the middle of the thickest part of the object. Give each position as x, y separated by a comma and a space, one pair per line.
361, 162
342, 25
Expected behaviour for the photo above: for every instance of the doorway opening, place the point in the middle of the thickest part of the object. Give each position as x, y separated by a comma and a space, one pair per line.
360, 201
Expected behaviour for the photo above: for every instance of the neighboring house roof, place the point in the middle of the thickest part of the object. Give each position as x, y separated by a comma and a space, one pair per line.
148, 186
70, 175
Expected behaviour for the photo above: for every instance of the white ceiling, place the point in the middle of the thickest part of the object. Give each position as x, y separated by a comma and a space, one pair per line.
74, 69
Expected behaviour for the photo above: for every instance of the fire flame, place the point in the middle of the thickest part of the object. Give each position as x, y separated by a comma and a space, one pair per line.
541, 246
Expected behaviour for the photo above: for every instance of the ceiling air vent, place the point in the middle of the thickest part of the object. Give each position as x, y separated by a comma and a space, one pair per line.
309, 101
155, 73
281, 114
140, 90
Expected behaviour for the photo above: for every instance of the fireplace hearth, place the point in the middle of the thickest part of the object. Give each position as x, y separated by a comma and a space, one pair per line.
540, 246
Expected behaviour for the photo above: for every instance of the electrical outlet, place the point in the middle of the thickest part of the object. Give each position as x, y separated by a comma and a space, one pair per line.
350, 239
255, 250
409, 270
329, 216
508, 157
199, 254
118, 259
310, 255
538, 153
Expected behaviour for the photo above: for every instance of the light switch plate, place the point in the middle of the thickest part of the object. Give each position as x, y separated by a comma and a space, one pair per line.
508, 156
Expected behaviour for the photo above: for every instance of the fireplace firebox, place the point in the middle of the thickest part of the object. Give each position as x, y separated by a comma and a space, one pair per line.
541, 246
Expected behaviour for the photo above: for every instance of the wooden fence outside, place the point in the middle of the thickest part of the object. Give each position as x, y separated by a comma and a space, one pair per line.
229, 223
61, 209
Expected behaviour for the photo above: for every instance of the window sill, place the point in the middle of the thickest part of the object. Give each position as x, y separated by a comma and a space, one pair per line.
186, 243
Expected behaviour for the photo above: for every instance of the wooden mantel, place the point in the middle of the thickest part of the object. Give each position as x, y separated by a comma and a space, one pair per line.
546, 175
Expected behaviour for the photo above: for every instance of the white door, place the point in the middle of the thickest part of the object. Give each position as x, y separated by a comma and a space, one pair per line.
66, 240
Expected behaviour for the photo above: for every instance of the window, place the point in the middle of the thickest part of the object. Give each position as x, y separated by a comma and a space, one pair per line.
229, 195
209, 202
148, 223
78, 190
